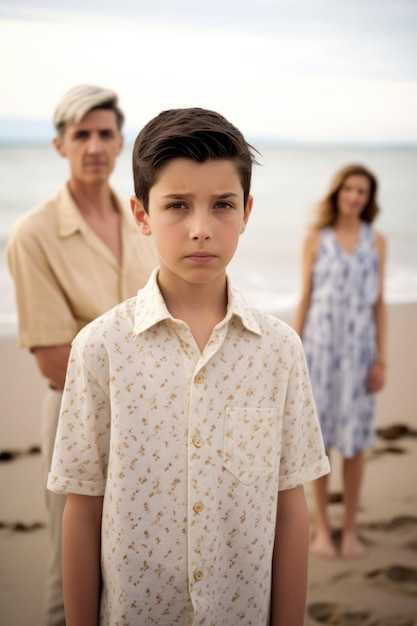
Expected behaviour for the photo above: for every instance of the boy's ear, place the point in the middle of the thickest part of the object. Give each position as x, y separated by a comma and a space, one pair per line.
140, 216
248, 209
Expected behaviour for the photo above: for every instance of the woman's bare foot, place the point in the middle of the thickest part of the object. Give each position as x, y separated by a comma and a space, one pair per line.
323, 546
352, 547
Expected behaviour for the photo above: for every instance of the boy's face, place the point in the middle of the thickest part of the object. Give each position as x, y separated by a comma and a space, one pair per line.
196, 215
91, 146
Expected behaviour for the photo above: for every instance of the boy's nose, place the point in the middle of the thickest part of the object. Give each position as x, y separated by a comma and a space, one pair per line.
200, 228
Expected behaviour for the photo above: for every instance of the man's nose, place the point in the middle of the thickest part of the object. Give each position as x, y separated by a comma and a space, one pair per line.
95, 144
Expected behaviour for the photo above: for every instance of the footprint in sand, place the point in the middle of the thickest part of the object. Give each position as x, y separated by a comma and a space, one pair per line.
21, 527
396, 431
398, 578
331, 613
396, 620
400, 522
11, 455
336, 615
377, 452
402, 525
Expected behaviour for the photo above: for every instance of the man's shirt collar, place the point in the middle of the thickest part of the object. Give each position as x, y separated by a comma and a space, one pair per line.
70, 219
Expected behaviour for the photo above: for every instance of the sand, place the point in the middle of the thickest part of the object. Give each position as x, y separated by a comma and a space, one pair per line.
377, 590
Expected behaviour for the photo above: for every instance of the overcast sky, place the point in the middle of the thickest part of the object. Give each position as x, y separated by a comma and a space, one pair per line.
308, 70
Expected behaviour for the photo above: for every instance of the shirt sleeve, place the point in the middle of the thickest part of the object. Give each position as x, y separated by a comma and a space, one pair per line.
81, 453
303, 457
45, 317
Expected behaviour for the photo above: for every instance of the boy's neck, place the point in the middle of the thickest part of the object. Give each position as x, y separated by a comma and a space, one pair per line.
201, 307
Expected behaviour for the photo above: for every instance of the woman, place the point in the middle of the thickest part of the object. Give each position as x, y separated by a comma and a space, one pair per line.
342, 321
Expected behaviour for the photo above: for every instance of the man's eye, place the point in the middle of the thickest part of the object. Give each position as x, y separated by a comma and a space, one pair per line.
82, 134
223, 205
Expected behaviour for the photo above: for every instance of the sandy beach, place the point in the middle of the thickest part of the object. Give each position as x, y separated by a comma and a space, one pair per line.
378, 590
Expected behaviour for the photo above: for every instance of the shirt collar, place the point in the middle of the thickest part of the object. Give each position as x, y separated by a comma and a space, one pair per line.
151, 308
70, 219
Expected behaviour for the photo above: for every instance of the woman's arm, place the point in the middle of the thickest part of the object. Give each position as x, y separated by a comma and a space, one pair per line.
308, 255
376, 377
290, 559
81, 541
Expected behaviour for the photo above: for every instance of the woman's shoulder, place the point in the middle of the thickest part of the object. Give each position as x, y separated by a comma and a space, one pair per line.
377, 238
380, 242
313, 238
373, 233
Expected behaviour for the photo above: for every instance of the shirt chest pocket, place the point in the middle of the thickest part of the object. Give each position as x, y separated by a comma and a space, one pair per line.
251, 442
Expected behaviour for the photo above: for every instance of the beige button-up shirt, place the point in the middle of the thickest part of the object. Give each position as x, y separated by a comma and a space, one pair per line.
190, 450
64, 274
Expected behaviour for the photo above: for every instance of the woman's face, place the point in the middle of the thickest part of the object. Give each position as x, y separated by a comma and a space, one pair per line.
353, 195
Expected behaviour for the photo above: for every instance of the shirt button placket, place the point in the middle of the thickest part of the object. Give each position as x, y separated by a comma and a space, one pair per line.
198, 506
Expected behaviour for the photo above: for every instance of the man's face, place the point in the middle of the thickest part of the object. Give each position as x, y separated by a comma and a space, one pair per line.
196, 215
91, 146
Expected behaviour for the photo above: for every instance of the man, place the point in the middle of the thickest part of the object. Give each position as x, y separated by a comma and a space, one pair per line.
72, 258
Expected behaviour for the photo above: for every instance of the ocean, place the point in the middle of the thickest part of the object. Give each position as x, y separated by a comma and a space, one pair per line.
286, 185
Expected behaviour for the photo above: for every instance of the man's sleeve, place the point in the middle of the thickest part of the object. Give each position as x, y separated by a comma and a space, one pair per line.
45, 316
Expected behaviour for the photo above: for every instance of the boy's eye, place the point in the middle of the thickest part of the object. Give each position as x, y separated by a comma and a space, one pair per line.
223, 205
177, 206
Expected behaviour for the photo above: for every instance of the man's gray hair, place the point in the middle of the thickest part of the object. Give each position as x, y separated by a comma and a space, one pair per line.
80, 100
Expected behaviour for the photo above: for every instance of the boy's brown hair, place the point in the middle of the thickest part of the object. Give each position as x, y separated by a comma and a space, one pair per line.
194, 133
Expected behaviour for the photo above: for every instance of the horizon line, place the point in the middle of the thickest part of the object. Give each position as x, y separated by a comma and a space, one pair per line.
31, 131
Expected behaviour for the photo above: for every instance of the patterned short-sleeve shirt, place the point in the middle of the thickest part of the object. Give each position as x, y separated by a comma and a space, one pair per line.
189, 450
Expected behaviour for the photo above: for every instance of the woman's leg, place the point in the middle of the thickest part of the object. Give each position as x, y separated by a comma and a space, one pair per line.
352, 477
322, 544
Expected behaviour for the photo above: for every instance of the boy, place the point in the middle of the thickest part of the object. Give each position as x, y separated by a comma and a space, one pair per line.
185, 412
72, 258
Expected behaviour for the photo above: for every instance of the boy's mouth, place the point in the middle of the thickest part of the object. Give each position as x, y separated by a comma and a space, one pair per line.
200, 257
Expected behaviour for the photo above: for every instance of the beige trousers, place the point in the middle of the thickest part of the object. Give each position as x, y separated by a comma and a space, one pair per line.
54, 600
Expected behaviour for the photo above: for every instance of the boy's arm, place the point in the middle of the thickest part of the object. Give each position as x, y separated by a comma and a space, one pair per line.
81, 530
290, 559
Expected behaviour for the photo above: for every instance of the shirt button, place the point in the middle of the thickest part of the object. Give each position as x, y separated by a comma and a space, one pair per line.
198, 575
198, 442
198, 507
199, 378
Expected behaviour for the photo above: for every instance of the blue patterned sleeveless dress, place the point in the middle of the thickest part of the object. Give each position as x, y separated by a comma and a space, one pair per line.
339, 339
